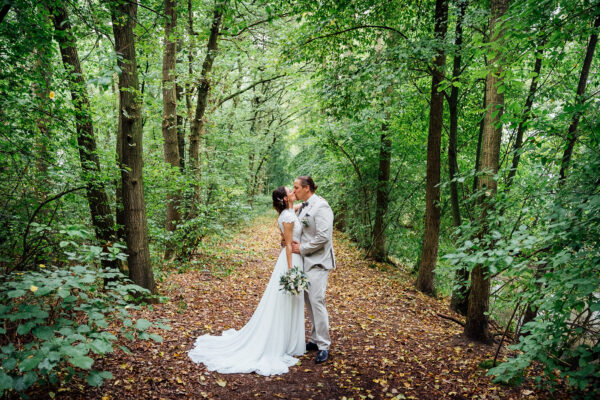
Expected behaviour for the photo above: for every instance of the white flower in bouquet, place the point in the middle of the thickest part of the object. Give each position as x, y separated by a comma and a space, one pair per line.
294, 281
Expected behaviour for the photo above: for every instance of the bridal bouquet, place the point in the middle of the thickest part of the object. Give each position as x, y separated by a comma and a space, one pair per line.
294, 281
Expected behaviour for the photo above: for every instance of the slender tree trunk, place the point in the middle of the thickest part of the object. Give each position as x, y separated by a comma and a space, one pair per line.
203, 92
123, 17
102, 218
119, 210
378, 251
459, 295
42, 93
432, 195
169, 120
476, 326
479, 139
526, 112
453, 109
180, 131
579, 100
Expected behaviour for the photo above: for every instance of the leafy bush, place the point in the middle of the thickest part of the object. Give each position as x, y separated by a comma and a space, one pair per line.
54, 321
546, 256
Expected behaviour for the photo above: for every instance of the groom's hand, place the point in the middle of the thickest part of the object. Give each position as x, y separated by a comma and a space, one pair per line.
282, 241
295, 247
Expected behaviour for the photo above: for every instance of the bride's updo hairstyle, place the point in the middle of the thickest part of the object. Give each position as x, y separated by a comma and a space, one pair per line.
279, 203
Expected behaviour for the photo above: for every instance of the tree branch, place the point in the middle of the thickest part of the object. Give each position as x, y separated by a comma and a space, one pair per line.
356, 28
231, 96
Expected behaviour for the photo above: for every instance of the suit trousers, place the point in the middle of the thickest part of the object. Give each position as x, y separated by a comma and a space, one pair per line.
314, 298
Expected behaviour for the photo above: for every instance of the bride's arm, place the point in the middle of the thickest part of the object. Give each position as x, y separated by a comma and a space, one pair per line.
288, 229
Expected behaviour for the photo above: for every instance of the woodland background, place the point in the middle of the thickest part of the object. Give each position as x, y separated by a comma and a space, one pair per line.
457, 138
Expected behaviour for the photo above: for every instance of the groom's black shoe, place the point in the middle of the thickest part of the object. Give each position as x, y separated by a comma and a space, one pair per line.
310, 346
322, 356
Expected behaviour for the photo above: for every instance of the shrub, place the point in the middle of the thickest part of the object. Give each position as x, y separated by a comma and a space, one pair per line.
55, 320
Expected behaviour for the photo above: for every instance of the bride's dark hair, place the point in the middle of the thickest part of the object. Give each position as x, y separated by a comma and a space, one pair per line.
279, 203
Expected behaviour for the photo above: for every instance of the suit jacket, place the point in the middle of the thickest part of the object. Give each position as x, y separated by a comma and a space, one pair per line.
316, 241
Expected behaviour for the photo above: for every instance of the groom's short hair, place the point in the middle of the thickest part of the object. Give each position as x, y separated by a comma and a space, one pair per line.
307, 181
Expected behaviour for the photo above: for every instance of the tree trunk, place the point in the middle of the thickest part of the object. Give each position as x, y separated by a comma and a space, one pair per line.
119, 212
378, 251
479, 138
102, 218
579, 100
180, 131
453, 109
169, 119
123, 18
459, 295
203, 91
526, 112
476, 326
432, 194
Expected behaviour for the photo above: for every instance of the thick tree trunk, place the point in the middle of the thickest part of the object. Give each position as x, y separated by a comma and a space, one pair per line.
169, 119
378, 249
102, 218
203, 92
585, 70
476, 326
432, 195
123, 18
526, 112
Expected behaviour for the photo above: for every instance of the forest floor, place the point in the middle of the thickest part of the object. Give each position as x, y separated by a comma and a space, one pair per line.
388, 340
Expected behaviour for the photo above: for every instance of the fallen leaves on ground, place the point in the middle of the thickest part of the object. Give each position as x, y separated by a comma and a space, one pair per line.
388, 341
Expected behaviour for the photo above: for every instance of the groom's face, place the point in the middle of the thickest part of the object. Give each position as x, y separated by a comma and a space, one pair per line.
300, 191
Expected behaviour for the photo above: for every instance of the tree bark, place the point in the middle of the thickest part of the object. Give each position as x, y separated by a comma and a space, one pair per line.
579, 100
453, 110
479, 138
102, 218
378, 251
203, 91
526, 112
476, 326
429, 252
459, 298
123, 15
169, 119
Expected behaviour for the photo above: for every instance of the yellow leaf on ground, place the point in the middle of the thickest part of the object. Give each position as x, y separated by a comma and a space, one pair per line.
221, 382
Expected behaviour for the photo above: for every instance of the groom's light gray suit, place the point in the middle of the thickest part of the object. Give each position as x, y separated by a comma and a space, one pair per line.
316, 247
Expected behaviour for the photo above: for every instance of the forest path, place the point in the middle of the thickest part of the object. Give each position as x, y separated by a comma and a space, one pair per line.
387, 339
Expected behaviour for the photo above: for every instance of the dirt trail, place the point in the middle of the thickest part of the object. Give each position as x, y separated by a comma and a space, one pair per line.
387, 339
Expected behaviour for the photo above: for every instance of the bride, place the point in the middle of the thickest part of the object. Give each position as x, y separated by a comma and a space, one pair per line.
275, 332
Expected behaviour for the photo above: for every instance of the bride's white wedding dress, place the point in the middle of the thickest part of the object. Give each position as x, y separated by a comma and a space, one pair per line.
273, 335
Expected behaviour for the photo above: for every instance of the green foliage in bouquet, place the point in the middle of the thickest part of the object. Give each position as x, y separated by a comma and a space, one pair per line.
294, 281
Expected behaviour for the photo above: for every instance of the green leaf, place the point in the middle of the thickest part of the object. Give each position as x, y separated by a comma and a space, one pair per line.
15, 293
30, 363
96, 378
83, 362
142, 324
100, 346
6, 382
43, 332
24, 329
9, 364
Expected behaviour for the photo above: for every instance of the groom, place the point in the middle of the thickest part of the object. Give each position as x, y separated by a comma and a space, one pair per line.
316, 248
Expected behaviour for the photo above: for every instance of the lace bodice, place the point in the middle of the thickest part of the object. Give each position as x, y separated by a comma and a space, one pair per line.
288, 216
